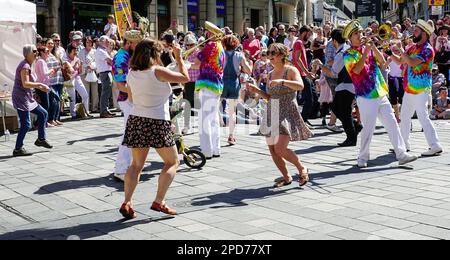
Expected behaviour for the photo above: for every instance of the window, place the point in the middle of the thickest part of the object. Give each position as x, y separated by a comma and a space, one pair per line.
221, 13
163, 10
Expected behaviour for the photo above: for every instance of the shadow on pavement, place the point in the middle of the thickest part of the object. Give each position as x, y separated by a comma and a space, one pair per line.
80, 232
108, 181
315, 149
97, 138
235, 197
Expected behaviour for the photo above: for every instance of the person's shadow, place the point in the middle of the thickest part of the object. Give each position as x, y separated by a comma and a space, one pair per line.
97, 182
80, 232
235, 198
96, 138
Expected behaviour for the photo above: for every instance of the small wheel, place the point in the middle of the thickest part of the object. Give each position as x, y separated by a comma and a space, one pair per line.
196, 159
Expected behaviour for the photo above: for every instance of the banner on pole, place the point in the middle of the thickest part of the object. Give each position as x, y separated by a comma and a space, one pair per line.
124, 17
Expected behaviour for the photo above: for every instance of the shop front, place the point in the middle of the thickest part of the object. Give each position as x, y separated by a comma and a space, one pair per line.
91, 18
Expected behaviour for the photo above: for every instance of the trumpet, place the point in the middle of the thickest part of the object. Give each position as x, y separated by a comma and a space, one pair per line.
384, 33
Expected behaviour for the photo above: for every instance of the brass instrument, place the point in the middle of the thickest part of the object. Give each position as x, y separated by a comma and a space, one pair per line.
218, 34
384, 33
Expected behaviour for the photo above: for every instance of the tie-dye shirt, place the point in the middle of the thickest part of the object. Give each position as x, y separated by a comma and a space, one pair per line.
369, 83
418, 79
212, 59
120, 66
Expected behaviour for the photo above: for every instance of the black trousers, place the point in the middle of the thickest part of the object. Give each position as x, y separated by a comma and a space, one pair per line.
307, 96
342, 108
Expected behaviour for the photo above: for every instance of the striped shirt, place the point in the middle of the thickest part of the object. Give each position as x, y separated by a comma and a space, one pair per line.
57, 79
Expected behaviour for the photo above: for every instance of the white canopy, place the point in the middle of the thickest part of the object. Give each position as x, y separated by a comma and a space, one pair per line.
17, 11
17, 28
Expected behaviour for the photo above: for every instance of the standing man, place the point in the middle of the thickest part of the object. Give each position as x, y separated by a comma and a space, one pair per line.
120, 68
345, 91
362, 64
59, 50
210, 86
104, 61
418, 85
299, 60
110, 28
281, 34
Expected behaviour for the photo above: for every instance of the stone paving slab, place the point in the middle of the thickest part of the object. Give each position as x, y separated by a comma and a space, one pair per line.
69, 192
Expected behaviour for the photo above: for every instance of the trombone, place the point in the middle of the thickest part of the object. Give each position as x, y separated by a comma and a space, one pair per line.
384, 33
218, 34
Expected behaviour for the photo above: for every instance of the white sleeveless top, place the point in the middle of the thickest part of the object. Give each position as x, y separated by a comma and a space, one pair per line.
150, 96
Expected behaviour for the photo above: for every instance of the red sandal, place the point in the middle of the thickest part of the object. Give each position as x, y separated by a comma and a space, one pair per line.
127, 211
163, 208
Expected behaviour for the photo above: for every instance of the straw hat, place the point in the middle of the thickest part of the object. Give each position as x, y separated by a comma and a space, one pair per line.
424, 26
134, 36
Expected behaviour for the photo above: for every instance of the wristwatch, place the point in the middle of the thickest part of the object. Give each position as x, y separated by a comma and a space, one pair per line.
282, 83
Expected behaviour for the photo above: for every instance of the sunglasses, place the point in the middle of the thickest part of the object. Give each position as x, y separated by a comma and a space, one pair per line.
35, 51
273, 53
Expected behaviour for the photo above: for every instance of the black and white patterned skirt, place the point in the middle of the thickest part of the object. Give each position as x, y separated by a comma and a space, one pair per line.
144, 132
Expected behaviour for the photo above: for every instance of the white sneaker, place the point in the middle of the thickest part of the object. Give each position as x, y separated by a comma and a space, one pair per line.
334, 128
120, 176
407, 159
433, 152
362, 164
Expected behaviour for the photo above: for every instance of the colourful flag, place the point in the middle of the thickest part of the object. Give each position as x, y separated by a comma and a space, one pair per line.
124, 18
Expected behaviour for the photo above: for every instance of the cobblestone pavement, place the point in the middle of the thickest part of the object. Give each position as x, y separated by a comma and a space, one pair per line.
69, 192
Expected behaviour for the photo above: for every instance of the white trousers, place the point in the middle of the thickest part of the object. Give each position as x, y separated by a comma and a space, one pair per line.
124, 156
419, 104
79, 87
209, 126
370, 110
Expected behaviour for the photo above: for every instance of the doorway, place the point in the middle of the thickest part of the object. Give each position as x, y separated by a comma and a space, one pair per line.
163, 16
254, 18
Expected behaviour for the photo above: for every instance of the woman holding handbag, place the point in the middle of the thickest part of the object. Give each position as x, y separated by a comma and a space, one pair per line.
74, 66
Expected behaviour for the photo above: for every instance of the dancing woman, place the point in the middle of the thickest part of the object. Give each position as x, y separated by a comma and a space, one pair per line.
149, 123
283, 122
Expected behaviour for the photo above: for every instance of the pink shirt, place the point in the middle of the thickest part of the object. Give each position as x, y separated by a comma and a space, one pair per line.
299, 47
253, 46
42, 72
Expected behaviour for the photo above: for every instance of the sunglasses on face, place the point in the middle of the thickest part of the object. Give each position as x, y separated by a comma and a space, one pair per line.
273, 53
35, 51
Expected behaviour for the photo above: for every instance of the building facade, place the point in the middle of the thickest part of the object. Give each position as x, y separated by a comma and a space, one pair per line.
63, 16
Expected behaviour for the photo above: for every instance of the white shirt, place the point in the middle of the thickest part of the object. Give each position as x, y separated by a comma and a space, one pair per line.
150, 96
112, 31
290, 45
396, 70
87, 59
101, 55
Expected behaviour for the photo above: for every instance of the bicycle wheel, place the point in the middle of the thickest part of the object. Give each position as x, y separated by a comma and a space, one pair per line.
195, 159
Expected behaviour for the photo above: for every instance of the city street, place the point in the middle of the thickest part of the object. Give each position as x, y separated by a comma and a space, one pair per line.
70, 193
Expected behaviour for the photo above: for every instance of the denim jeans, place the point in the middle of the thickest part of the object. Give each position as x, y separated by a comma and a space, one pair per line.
51, 102
56, 113
25, 124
